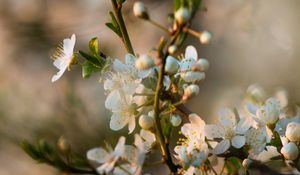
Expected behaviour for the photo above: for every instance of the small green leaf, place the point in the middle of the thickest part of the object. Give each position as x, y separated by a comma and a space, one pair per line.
88, 68
276, 141
31, 151
91, 59
94, 46
114, 25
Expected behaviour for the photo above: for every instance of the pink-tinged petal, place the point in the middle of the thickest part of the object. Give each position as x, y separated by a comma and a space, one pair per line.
97, 154
238, 141
120, 147
227, 118
222, 147
117, 122
196, 121
214, 131
131, 124
191, 52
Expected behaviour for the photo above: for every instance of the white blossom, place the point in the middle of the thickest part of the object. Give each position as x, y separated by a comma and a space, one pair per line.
186, 66
231, 131
175, 120
193, 150
64, 57
171, 66
139, 10
124, 113
257, 139
106, 159
146, 121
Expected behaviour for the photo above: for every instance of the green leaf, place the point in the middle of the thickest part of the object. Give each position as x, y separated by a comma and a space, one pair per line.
176, 4
233, 164
114, 25
91, 59
94, 46
88, 68
31, 151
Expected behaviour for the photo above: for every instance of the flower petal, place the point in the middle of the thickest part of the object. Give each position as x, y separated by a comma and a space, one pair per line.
227, 117
130, 60
117, 122
131, 124
222, 147
113, 100
69, 44
191, 52
214, 131
120, 147
97, 154
58, 74
243, 125
238, 141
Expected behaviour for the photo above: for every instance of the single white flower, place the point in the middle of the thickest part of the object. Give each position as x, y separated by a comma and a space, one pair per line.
269, 113
124, 113
290, 151
231, 131
186, 66
182, 15
293, 131
192, 150
64, 57
107, 159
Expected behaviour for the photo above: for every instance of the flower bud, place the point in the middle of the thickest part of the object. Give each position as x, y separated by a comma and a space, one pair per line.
63, 145
175, 120
172, 49
146, 121
293, 131
290, 151
246, 163
182, 15
201, 65
256, 93
171, 66
190, 91
144, 62
205, 37
139, 10
192, 77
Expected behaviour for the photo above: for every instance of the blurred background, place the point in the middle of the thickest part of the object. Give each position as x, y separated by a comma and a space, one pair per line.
253, 42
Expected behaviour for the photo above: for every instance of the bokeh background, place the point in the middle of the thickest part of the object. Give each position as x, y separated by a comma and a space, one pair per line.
253, 42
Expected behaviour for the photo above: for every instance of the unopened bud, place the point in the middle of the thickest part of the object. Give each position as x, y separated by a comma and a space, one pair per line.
146, 121
256, 93
139, 10
175, 120
63, 145
171, 66
293, 131
144, 62
192, 76
190, 91
172, 49
205, 37
201, 65
182, 15
290, 151
246, 163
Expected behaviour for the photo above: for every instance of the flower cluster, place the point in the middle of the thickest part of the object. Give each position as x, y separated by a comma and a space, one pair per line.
146, 93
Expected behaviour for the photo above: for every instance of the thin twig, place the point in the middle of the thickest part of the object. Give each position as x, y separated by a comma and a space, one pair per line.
125, 36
